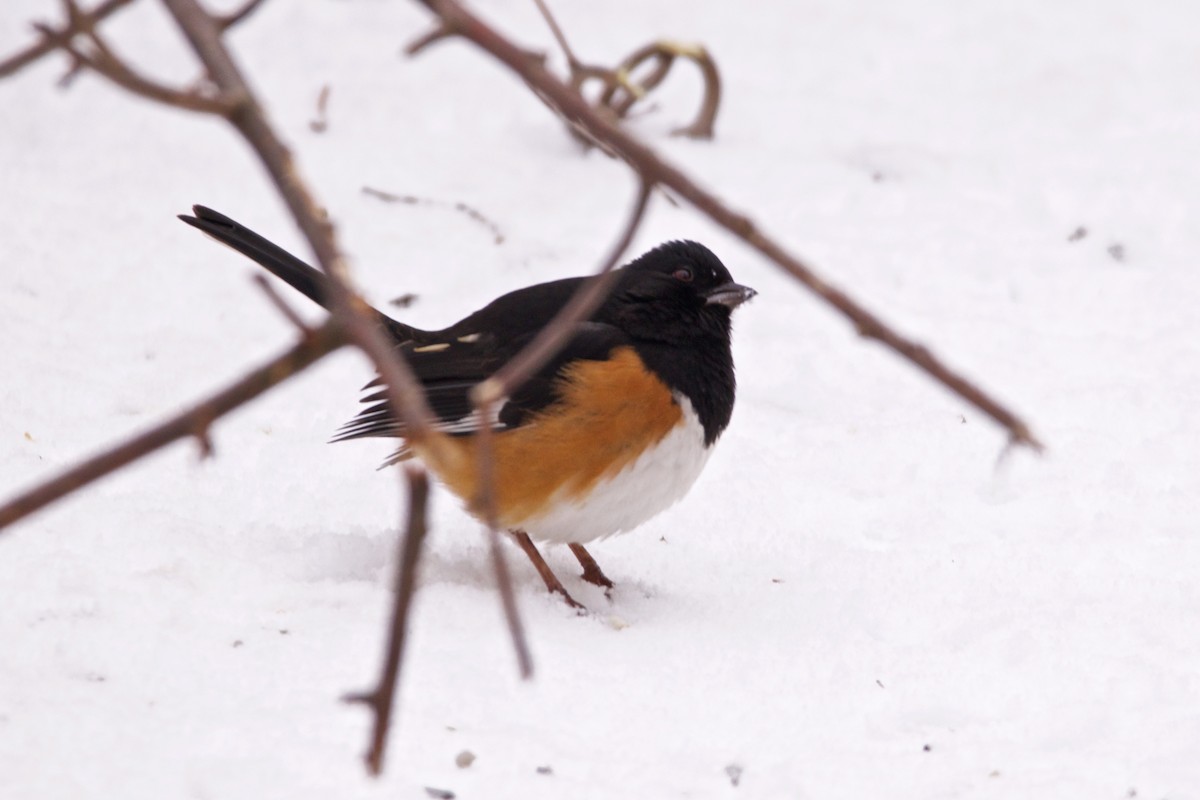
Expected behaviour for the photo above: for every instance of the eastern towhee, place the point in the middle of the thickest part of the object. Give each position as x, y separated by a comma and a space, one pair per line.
611, 431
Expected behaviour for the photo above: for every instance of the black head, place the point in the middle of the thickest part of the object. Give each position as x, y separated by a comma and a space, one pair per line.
675, 302
677, 292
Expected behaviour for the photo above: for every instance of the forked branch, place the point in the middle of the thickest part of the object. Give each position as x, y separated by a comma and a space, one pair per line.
193, 423
52, 38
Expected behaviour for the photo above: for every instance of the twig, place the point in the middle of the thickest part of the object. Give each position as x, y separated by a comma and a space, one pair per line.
652, 168
49, 43
102, 60
620, 92
229, 20
381, 699
487, 394
404, 392
555, 334
281, 305
191, 423
423, 41
486, 504
470, 211
664, 55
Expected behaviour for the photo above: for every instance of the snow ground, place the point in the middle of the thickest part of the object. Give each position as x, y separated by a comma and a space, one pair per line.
858, 600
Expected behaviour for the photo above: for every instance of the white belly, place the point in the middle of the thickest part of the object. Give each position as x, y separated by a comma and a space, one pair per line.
654, 482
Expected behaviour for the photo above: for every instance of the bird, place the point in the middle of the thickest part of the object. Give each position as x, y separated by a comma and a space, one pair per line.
610, 432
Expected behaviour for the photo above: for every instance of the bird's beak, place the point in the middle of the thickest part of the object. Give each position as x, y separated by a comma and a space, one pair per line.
731, 295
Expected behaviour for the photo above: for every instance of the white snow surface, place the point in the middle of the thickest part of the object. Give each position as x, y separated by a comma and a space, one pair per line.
860, 598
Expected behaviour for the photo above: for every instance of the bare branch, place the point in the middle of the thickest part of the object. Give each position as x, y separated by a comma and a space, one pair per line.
404, 393
229, 20
425, 40
485, 504
101, 59
381, 699
191, 423
52, 41
653, 168
572, 61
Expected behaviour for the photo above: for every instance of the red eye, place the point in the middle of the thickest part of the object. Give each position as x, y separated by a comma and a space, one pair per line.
682, 274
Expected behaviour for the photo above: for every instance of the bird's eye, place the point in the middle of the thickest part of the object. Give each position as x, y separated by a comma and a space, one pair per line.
682, 274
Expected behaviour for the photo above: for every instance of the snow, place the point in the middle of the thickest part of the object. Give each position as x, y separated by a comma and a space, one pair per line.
864, 595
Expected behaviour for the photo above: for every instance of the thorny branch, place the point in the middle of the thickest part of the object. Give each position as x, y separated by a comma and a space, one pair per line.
453, 16
380, 699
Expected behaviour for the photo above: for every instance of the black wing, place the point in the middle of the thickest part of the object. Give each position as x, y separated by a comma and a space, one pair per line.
449, 362
449, 370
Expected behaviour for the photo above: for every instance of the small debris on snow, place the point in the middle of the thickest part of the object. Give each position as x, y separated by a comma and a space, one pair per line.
879, 683
616, 623
464, 759
284, 631
776, 580
1117, 251
994, 773
544, 770
1077, 234
237, 642
28, 437
928, 748
439, 794
403, 301
320, 123
734, 771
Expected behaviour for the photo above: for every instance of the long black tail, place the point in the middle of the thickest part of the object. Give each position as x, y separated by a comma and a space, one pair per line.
310, 282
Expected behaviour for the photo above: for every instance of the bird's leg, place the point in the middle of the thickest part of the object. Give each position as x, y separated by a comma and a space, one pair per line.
548, 577
591, 570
